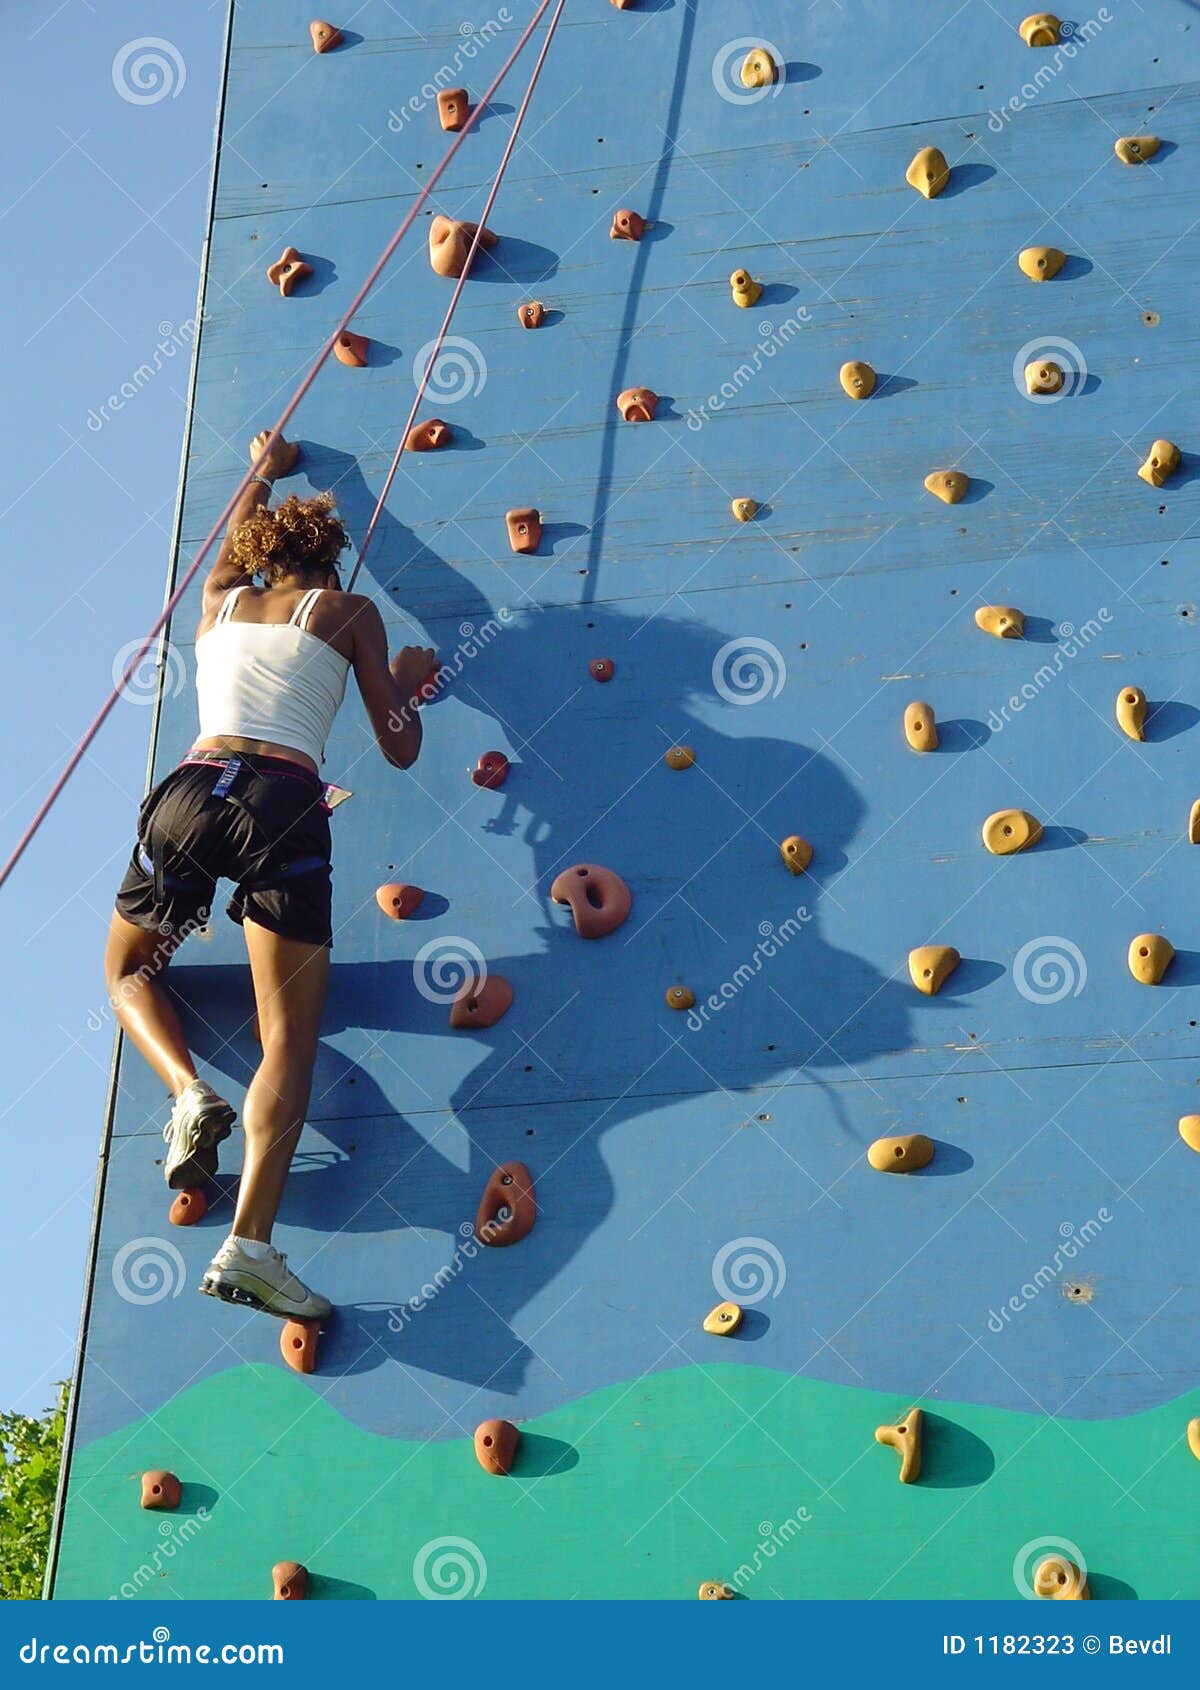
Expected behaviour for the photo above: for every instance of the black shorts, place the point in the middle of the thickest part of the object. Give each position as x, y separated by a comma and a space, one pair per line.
268, 832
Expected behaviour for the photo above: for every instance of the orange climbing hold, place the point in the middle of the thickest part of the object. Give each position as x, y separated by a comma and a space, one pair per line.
797, 853
324, 36
602, 668
190, 1204
496, 1443
680, 997
637, 404
532, 315
427, 436
287, 270
298, 1344
450, 245
599, 899
508, 1207
481, 1002
679, 757
351, 350
627, 226
453, 108
1189, 1131
290, 1580
491, 770
398, 900
161, 1490
524, 528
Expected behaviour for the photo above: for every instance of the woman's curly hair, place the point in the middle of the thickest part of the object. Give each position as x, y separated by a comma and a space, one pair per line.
300, 536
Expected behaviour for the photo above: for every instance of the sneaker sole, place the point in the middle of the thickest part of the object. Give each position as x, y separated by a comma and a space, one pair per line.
244, 1299
198, 1163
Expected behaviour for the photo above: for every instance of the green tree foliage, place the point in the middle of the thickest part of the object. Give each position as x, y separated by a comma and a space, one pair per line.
30, 1452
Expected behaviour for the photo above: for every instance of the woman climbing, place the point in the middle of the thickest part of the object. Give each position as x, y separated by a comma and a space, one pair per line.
247, 804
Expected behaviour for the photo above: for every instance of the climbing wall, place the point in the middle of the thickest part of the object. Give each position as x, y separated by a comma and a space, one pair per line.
1033, 1288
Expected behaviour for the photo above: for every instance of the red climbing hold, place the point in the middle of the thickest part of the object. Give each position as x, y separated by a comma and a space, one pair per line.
532, 315
298, 1344
491, 770
481, 1003
324, 36
637, 404
429, 435
508, 1208
287, 270
160, 1489
351, 350
599, 899
524, 529
627, 226
290, 1580
450, 244
398, 900
602, 668
496, 1444
189, 1206
453, 108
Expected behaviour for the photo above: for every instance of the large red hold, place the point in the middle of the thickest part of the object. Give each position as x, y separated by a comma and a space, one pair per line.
298, 1345
290, 1580
508, 1207
599, 899
496, 1443
481, 1003
160, 1489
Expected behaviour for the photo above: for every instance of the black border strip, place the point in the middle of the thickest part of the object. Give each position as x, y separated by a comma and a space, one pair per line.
163, 644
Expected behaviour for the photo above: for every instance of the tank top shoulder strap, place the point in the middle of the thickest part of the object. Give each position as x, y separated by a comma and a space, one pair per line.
225, 614
299, 617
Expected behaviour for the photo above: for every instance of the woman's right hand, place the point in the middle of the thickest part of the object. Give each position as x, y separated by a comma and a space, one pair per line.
280, 460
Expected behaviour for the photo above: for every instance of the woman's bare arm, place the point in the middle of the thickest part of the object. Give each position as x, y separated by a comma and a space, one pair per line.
281, 459
390, 691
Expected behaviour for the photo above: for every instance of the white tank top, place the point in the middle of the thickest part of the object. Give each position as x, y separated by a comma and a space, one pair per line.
269, 680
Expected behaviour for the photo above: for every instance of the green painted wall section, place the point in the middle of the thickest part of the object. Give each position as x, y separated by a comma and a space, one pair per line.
631, 1492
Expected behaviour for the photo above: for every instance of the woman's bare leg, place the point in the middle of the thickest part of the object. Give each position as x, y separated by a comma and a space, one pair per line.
290, 982
134, 964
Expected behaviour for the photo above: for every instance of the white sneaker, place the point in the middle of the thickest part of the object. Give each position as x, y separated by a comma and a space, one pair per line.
199, 1121
265, 1284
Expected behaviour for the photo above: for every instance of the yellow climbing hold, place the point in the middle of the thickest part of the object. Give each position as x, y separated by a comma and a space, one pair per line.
1189, 1131
746, 291
1040, 29
1150, 957
744, 510
948, 485
930, 966
905, 1438
723, 1320
1193, 1437
712, 1590
1039, 263
1161, 462
1131, 712
903, 1155
928, 173
797, 853
1007, 831
1001, 620
679, 997
1194, 824
680, 757
758, 69
1136, 149
1060, 1580
1044, 376
920, 729
857, 379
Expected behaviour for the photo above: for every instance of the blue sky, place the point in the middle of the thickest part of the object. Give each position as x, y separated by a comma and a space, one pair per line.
102, 218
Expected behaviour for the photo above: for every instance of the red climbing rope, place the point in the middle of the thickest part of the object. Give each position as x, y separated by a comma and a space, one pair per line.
168, 609
441, 334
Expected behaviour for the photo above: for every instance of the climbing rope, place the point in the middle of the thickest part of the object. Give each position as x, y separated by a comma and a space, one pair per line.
454, 298
172, 603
